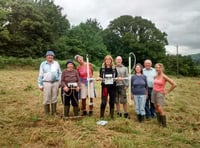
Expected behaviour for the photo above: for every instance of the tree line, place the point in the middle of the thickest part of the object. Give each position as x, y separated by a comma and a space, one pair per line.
30, 27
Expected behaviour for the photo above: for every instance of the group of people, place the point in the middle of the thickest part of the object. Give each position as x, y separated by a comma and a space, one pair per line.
147, 87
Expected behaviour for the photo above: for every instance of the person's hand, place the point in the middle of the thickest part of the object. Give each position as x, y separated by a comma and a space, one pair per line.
42, 88
66, 89
98, 78
132, 97
77, 89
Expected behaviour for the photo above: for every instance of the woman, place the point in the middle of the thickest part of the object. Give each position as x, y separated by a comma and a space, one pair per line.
139, 91
70, 83
83, 70
107, 74
159, 92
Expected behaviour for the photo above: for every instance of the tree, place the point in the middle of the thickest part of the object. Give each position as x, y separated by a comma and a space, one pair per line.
135, 34
89, 34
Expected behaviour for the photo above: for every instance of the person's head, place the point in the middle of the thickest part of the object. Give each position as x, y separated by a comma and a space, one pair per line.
138, 68
49, 56
118, 60
159, 67
79, 59
147, 64
108, 61
70, 64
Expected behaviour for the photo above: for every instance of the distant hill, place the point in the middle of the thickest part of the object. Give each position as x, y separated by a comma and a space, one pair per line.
195, 57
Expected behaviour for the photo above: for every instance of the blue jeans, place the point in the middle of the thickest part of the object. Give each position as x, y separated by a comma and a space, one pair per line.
149, 106
140, 101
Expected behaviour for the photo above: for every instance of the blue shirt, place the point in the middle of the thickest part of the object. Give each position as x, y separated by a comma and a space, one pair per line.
150, 74
138, 85
49, 72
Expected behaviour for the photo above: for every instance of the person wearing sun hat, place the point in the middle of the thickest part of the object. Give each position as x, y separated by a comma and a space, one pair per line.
49, 81
70, 83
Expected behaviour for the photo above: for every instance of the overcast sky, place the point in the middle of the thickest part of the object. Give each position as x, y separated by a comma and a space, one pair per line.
180, 19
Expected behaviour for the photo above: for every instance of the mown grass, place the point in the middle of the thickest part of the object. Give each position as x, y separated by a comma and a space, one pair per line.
23, 123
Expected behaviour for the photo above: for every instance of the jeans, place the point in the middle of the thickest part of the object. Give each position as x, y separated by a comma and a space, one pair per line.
140, 101
149, 106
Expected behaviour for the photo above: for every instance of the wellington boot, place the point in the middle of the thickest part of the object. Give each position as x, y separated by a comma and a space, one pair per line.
102, 110
142, 118
139, 118
76, 110
53, 108
163, 121
66, 110
112, 113
125, 115
47, 109
159, 118
90, 113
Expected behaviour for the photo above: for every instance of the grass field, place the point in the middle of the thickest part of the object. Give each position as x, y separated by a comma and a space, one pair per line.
23, 123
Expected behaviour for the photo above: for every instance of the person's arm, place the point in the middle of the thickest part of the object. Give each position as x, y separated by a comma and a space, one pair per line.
171, 82
40, 78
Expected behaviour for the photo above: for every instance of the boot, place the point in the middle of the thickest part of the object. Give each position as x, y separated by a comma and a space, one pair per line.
66, 110
112, 113
163, 120
75, 108
119, 114
47, 109
53, 108
102, 110
142, 118
84, 113
90, 113
139, 117
125, 115
158, 118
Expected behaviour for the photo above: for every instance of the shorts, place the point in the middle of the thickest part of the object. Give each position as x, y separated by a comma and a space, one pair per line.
157, 98
121, 96
84, 90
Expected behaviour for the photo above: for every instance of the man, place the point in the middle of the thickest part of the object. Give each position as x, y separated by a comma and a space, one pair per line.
49, 81
121, 86
150, 73
83, 74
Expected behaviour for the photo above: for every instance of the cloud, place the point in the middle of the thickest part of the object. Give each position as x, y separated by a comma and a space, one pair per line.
180, 19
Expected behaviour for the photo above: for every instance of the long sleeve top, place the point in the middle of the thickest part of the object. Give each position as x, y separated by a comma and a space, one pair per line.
49, 72
138, 85
69, 77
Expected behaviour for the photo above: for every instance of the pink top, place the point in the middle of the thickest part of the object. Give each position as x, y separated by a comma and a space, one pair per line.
159, 85
82, 70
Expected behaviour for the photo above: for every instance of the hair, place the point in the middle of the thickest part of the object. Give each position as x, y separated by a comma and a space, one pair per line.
141, 67
77, 56
108, 57
148, 60
161, 65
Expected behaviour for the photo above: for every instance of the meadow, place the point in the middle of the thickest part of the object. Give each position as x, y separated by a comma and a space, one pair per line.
24, 125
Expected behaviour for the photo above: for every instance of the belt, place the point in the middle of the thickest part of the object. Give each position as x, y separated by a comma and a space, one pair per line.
50, 81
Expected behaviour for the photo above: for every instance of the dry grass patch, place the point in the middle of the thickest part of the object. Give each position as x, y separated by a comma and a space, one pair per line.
23, 123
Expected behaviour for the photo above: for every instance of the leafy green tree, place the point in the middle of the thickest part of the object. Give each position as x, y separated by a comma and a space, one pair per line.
89, 34
135, 34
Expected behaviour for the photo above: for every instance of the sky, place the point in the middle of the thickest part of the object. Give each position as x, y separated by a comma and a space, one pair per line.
180, 19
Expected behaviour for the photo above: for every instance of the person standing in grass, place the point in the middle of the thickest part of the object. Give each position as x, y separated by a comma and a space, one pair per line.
159, 92
139, 91
49, 82
82, 71
70, 83
121, 87
107, 75
150, 73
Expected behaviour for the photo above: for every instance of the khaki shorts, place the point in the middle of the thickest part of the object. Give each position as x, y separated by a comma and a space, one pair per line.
157, 98
121, 95
84, 90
